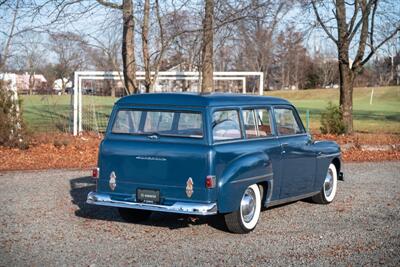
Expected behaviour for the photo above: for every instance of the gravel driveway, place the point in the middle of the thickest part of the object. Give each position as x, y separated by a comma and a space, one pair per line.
44, 221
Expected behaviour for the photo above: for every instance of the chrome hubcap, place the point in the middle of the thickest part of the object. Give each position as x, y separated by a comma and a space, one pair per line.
248, 205
328, 184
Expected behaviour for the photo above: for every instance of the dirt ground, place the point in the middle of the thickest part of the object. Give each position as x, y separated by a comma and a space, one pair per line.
62, 151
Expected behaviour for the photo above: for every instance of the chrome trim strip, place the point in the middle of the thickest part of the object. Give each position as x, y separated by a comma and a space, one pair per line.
150, 158
290, 199
328, 155
269, 192
179, 207
253, 178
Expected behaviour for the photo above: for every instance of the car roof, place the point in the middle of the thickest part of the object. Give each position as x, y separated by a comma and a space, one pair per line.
202, 100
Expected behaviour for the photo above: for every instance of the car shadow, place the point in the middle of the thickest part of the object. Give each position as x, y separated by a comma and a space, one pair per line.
81, 186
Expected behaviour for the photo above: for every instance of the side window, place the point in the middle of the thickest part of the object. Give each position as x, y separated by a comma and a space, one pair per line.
225, 125
263, 122
249, 122
286, 122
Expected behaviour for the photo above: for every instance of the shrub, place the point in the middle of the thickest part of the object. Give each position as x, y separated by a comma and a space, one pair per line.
331, 120
12, 128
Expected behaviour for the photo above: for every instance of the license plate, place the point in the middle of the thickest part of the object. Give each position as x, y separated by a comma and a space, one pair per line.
148, 196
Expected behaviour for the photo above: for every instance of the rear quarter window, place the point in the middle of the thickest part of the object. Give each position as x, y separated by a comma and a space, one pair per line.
226, 125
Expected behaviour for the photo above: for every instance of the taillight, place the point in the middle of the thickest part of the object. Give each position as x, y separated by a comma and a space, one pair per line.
95, 173
211, 181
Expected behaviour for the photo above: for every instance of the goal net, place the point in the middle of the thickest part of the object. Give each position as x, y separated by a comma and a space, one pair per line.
95, 92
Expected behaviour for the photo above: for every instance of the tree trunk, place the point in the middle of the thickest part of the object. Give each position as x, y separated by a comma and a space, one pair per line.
31, 83
128, 47
207, 48
346, 95
145, 46
113, 90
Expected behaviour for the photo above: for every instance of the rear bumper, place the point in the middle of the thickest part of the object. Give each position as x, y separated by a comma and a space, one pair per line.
179, 207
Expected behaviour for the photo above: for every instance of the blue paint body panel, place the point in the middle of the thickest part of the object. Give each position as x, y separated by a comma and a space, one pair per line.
288, 166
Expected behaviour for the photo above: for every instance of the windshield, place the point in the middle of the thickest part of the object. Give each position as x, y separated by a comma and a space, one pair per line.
171, 123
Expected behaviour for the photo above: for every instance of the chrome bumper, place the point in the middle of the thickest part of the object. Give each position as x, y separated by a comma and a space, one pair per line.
179, 207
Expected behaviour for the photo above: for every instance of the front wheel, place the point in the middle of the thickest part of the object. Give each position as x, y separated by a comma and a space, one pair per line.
328, 191
245, 219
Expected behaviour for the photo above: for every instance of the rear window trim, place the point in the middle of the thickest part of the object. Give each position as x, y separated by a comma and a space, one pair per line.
159, 110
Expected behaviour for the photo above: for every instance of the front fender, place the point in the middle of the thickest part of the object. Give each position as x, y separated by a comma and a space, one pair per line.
241, 172
326, 152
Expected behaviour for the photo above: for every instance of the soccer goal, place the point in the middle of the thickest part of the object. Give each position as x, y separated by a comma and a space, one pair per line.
96, 91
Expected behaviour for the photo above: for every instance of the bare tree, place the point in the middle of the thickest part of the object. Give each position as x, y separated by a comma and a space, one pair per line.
257, 38
10, 35
128, 45
358, 29
70, 52
34, 58
207, 48
105, 54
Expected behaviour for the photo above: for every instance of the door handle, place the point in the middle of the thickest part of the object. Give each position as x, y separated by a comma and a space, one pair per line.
153, 136
284, 145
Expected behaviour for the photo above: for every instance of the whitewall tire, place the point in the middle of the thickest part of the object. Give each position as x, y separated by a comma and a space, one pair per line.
329, 187
245, 219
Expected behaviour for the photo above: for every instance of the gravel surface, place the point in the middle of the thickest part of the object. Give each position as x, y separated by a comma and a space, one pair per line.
44, 221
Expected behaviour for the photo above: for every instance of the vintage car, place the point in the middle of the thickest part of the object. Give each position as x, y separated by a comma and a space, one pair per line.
210, 154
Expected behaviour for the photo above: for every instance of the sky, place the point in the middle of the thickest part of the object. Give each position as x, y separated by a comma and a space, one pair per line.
92, 20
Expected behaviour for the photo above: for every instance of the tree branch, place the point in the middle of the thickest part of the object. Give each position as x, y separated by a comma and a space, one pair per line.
3, 2
353, 19
373, 24
109, 4
373, 49
365, 9
359, 23
322, 23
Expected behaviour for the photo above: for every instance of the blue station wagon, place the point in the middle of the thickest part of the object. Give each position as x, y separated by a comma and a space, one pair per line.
210, 154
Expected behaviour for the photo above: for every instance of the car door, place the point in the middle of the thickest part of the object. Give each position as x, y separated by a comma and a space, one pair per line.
298, 158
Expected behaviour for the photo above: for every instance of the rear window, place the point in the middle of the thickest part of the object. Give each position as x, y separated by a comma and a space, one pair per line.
170, 123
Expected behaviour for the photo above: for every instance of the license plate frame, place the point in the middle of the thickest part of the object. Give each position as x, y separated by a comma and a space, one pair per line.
148, 196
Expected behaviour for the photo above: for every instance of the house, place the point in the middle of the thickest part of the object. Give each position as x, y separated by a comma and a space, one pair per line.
59, 84
23, 82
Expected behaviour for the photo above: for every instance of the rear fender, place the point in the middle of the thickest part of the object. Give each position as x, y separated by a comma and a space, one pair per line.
242, 172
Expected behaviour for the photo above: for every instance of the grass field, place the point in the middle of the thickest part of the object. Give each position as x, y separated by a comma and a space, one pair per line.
47, 113
383, 115
50, 113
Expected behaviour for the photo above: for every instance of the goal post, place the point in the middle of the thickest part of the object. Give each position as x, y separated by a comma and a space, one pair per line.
81, 76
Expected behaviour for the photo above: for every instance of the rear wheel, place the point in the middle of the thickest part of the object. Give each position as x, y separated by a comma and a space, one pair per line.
245, 219
328, 191
134, 215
